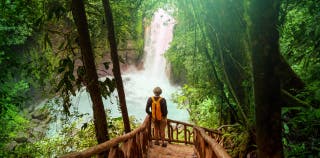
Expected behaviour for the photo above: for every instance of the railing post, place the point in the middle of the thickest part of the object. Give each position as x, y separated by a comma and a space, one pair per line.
149, 131
169, 131
185, 134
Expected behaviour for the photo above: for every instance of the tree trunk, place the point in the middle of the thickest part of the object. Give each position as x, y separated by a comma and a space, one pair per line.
116, 66
99, 114
265, 54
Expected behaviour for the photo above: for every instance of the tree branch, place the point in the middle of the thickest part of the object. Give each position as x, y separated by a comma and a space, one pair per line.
292, 101
223, 126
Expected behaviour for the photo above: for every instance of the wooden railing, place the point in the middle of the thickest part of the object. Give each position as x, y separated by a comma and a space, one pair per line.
179, 132
131, 145
207, 145
136, 143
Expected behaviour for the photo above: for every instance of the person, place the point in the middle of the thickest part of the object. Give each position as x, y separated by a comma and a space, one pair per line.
158, 114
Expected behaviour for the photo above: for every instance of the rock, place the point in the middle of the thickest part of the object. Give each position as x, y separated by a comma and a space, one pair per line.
36, 121
31, 140
31, 109
39, 131
40, 114
21, 139
48, 119
10, 146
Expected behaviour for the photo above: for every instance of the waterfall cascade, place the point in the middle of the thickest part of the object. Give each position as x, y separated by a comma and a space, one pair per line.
139, 84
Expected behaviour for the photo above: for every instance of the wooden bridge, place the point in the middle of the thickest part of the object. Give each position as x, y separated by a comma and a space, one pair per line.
206, 143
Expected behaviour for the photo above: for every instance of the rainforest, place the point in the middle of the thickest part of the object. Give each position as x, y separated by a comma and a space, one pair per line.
241, 78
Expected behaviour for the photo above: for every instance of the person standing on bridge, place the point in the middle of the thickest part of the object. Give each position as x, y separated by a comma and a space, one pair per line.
158, 113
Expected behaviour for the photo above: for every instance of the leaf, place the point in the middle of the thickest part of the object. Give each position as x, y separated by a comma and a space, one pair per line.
78, 84
71, 76
47, 40
61, 69
69, 86
61, 45
317, 95
63, 63
106, 65
104, 91
66, 106
286, 128
81, 71
70, 64
121, 59
112, 87
84, 126
61, 83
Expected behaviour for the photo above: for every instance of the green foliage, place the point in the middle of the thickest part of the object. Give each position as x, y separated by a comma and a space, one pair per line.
186, 54
300, 34
107, 87
127, 23
12, 96
69, 139
40, 68
202, 109
219, 28
237, 140
17, 21
11, 124
210, 46
116, 126
299, 43
301, 130
13, 93
73, 137
125, 19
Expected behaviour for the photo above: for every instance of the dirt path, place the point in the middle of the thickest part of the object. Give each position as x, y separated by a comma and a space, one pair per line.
172, 151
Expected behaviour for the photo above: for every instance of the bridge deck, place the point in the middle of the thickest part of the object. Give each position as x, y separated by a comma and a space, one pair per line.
172, 151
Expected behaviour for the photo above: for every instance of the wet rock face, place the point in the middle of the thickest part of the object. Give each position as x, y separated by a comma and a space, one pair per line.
40, 114
40, 119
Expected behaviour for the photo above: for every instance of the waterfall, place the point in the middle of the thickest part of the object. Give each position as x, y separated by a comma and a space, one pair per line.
138, 85
158, 36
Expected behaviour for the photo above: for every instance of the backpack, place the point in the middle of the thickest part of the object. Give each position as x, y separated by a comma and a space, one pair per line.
156, 109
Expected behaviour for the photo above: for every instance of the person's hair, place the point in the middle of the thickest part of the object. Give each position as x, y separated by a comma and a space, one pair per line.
157, 91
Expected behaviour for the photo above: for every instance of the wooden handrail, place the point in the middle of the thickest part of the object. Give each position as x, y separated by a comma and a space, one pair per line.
133, 144
207, 146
